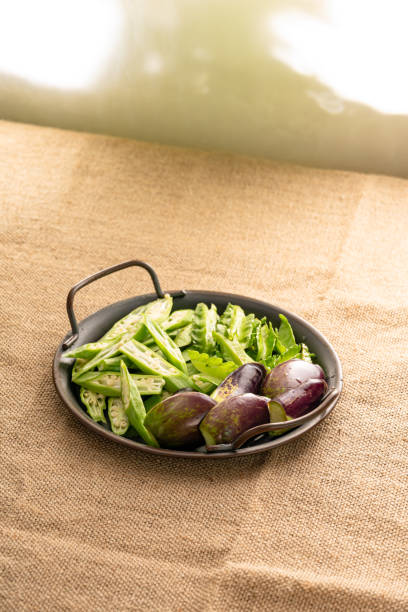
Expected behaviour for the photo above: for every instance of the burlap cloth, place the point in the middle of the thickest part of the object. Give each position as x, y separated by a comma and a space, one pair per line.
319, 524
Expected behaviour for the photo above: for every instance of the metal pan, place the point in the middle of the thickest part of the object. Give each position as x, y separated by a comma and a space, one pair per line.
255, 440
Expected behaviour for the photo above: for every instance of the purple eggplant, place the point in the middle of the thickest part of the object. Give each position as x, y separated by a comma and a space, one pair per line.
289, 375
299, 400
230, 418
174, 421
245, 379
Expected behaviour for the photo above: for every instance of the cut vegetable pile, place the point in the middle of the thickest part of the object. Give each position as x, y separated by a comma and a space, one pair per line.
187, 378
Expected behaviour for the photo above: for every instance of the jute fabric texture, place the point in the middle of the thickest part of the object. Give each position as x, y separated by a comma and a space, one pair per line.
318, 524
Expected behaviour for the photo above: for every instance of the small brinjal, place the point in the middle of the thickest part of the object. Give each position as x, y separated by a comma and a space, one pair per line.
288, 375
230, 418
245, 379
299, 400
174, 421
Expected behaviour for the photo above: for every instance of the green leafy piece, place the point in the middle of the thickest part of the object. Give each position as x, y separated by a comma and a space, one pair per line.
203, 325
232, 349
305, 354
266, 341
148, 361
134, 407
285, 335
177, 319
108, 383
212, 366
166, 345
117, 416
183, 337
94, 404
292, 353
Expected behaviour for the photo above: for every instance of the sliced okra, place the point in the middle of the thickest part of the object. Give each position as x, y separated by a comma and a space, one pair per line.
112, 364
150, 362
108, 383
117, 416
94, 404
166, 345
133, 405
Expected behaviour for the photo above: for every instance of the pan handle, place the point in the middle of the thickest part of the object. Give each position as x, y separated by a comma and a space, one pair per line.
94, 277
330, 397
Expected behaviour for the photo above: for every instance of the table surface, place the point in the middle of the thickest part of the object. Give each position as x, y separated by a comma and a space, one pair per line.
319, 524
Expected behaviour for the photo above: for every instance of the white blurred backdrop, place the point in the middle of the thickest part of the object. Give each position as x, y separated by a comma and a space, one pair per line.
316, 82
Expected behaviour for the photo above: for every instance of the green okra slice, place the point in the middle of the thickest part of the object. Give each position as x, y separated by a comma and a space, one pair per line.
150, 362
130, 326
134, 407
112, 364
108, 383
112, 350
159, 311
203, 325
88, 351
177, 319
117, 416
94, 404
166, 345
232, 349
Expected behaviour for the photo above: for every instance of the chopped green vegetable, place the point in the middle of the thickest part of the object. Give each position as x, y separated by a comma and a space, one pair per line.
158, 311
203, 325
148, 361
133, 405
213, 366
266, 341
112, 364
285, 336
166, 345
205, 383
179, 318
232, 349
117, 416
108, 383
94, 403
183, 337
